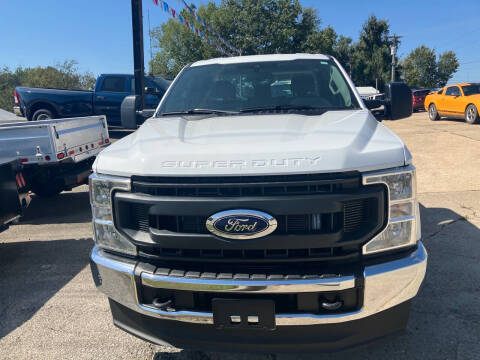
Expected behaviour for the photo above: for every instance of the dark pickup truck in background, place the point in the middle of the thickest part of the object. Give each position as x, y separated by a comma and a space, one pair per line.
106, 99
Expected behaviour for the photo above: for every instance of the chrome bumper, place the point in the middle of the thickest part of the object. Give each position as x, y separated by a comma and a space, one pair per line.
385, 286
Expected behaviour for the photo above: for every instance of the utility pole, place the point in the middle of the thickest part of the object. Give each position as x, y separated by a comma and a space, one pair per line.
150, 70
138, 60
394, 48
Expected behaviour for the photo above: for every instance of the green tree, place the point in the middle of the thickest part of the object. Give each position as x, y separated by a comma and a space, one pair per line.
343, 51
371, 59
64, 76
177, 45
447, 65
255, 26
422, 69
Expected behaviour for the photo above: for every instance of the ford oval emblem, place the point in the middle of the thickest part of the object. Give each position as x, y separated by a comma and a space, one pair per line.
241, 224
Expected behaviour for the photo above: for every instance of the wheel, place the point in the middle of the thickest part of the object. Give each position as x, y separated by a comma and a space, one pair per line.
42, 114
47, 189
433, 113
471, 114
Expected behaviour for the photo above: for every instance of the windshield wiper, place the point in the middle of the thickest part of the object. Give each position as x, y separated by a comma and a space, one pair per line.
284, 107
199, 111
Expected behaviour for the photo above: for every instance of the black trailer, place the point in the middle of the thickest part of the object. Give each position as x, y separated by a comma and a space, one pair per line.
14, 195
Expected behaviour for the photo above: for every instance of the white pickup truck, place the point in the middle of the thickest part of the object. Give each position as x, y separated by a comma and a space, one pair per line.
262, 208
56, 155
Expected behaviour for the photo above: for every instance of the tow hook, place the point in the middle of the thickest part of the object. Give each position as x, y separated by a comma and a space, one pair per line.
163, 305
332, 306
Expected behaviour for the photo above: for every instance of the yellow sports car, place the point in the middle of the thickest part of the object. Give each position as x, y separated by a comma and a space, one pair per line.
456, 101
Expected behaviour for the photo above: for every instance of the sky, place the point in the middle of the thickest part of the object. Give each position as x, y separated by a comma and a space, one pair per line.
97, 33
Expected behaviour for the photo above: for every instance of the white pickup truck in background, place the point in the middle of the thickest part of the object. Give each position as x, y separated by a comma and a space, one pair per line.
56, 155
262, 208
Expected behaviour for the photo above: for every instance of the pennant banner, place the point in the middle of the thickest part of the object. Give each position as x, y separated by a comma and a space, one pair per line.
208, 27
167, 8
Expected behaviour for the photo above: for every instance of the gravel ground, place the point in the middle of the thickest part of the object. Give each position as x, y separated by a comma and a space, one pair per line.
50, 309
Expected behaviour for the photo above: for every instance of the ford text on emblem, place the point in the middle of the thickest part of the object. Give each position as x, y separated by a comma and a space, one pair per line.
241, 224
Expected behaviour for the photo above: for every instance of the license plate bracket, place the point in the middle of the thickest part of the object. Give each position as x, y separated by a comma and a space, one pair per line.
243, 314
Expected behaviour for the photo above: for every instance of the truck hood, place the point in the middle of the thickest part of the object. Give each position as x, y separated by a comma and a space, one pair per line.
255, 144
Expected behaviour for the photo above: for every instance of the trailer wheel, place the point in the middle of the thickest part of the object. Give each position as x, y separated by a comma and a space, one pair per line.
42, 114
44, 189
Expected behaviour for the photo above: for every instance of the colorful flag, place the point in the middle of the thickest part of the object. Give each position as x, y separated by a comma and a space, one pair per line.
165, 6
155, 2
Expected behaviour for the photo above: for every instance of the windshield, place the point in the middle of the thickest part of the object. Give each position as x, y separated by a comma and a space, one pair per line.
298, 85
471, 89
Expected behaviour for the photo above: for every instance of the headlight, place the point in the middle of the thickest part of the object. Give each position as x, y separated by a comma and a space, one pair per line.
403, 227
105, 235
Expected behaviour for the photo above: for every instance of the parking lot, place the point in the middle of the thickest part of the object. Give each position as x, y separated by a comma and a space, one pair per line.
50, 309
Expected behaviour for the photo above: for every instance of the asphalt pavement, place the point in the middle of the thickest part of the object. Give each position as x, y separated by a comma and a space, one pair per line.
50, 309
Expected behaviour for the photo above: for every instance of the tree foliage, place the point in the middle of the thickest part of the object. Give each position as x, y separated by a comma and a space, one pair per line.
422, 68
64, 76
371, 59
447, 65
284, 26
255, 26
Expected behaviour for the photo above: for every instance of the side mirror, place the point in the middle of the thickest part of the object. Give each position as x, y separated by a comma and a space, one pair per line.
147, 113
398, 101
128, 111
372, 104
130, 116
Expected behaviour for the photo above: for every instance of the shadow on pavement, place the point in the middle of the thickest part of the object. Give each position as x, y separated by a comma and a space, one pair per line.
445, 320
33, 272
67, 207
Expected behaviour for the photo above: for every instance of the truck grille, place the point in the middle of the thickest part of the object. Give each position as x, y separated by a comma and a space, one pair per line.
353, 218
281, 185
345, 214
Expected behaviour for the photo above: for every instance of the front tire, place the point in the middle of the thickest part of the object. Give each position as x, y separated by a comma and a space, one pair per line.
471, 114
42, 114
432, 112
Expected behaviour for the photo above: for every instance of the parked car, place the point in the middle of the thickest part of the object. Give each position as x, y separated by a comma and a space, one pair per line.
13, 192
56, 155
418, 98
242, 218
459, 101
105, 99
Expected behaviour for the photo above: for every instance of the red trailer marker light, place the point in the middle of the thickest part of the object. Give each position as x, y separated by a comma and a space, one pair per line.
47, 157
107, 141
22, 179
60, 156
24, 160
71, 152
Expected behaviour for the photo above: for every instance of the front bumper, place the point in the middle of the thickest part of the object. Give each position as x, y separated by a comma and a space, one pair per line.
388, 288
